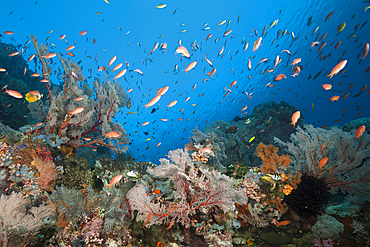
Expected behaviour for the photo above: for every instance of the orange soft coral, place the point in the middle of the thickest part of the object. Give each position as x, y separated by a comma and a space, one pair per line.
271, 161
294, 180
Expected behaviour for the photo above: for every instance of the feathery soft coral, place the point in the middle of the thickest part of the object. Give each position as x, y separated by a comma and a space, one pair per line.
271, 161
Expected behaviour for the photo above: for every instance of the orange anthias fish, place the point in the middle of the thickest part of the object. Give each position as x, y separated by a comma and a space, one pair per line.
190, 66
360, 131
366, 51
172, 103
111, 61
77, 110
296, 71
323, 161
184, 52
112, 134
337, 68
13, 93
257, 44
212, 72
334, 98
279, 77
295, 61
314, 43
163, 90
118, 66
114, 181
120, 74
327, 86
295, 117
283, 223
153, 101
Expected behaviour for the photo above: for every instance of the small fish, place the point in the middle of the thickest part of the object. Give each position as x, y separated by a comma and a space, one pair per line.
334, 98
114, 181
232, 130
33, 96
340, 28
310, 21
112, 134
221, 23
328, 16
272, 181
295, 118
252, 138
283, 223
275, 176
107, 1
133, 174
360, 130
322, 162
337, 68
161, 6
13, 93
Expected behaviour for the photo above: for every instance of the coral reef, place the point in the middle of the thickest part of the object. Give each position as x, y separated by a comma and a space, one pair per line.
87, 122
327, 227
347, 157
193, 190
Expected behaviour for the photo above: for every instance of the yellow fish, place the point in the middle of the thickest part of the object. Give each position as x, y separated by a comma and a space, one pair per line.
250, 140
50, 31
107, 1
33, 96
313, 106
272, 181
161, 6
147, 139
341, 27
221, 23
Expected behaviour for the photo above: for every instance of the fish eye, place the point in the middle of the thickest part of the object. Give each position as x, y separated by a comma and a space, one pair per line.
47, 220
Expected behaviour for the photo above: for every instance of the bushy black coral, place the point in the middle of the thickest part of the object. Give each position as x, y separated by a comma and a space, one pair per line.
310, 196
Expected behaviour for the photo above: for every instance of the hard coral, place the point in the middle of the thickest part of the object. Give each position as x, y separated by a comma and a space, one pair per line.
271, 161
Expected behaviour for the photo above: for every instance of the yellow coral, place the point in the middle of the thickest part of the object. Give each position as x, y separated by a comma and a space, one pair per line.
249, 242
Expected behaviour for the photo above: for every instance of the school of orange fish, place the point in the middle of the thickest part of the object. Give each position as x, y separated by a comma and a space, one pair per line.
183, 51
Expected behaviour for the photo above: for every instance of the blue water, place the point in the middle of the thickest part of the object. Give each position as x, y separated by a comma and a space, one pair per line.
122, 24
